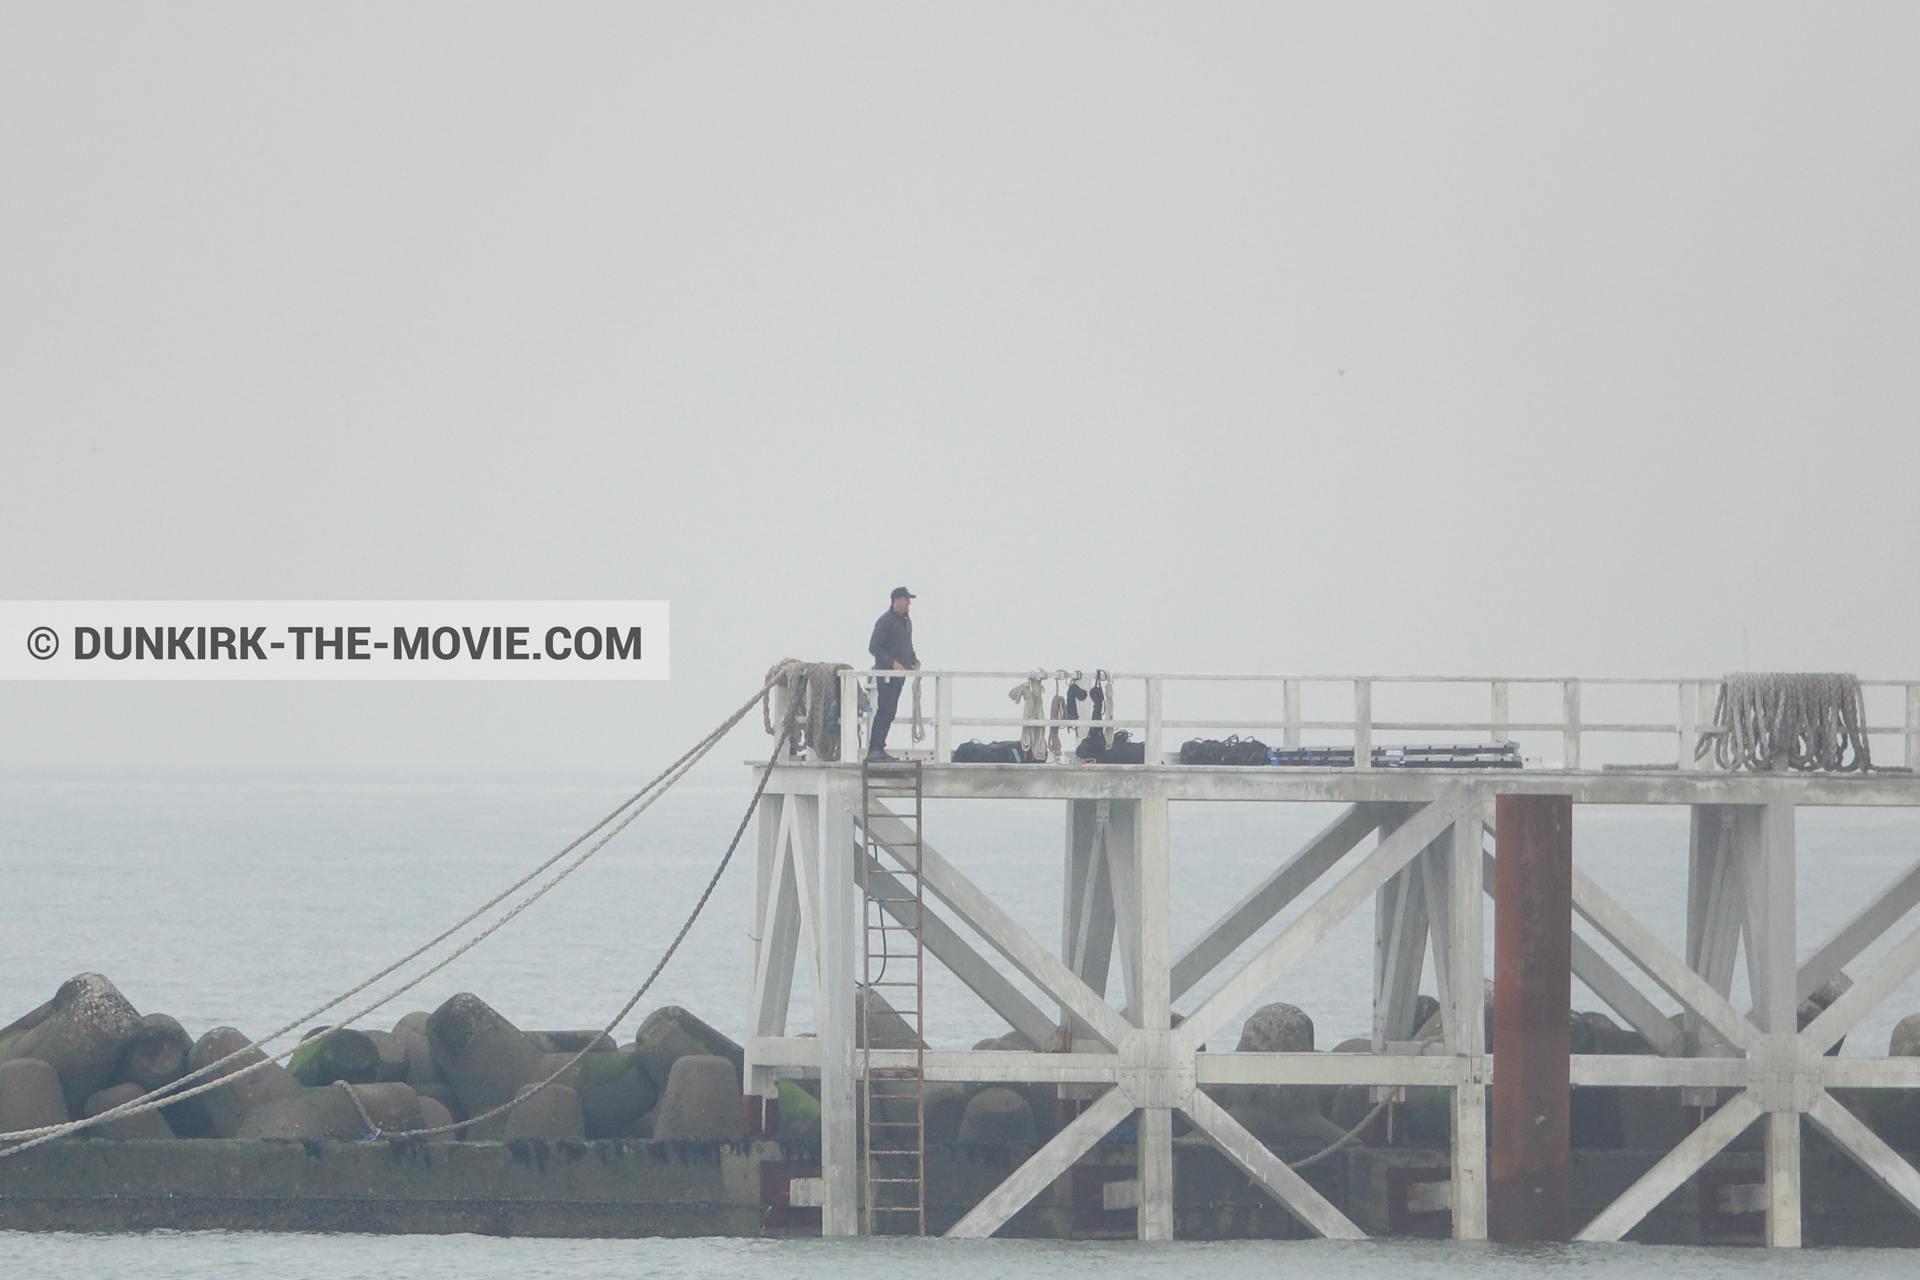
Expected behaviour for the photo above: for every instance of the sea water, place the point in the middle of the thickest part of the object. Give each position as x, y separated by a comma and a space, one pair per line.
252, 899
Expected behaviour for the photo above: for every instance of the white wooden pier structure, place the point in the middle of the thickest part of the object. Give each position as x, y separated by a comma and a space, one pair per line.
1425, 875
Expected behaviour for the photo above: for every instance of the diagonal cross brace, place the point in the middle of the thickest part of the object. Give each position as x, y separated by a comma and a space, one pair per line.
1272, 895
1001, 931
1614, 923
1866, 1148
1294, 1193
1866, 995
1044, 1165
1674, 1168
951, 950
1318, 920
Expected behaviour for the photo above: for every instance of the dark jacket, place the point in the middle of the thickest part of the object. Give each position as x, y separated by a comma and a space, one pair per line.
892, 642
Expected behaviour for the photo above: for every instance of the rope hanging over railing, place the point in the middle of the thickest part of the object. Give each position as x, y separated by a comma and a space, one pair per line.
1802, 720
812, 691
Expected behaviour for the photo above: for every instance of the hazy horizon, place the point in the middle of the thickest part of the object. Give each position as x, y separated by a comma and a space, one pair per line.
1481, 339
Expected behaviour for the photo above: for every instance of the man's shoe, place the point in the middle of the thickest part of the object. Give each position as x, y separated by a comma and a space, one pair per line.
881, 755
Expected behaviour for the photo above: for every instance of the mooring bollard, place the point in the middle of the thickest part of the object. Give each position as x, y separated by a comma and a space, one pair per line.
1532, 1000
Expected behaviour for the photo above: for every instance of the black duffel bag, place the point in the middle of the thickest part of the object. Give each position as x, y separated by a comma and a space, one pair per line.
977, 752
1125, 751
1244, 751
1202, 751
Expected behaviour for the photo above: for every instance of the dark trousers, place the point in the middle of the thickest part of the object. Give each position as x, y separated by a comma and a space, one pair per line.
888, 703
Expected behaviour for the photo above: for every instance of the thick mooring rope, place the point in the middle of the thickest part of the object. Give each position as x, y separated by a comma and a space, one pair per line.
374, 1132
810, 689
1350, 1136
632, 808
1806, 720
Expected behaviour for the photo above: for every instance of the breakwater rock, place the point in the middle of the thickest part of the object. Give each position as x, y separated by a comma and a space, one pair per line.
88, 1050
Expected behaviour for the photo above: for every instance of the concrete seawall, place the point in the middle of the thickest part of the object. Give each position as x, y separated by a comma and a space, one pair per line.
633, 1188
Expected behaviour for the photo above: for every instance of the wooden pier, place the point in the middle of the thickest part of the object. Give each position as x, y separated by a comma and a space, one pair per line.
1423, 848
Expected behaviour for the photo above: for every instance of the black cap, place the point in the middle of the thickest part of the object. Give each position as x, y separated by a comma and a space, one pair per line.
901, 591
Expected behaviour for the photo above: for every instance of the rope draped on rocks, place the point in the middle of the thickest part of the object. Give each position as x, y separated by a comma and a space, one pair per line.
1805, 720
619, 819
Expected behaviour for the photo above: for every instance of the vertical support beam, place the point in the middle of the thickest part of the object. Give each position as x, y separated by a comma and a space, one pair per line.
1783, 1180
1687, 724
1570, 730
1502, 717
1912, 760
942, 719
1154, 749
1154, 1006
1399, 949
1290, 713
1363, 724
1716, 918
1532, 999
834, 1014
1466, 1030
1087, 914
1767, 848
850, 715
770, 988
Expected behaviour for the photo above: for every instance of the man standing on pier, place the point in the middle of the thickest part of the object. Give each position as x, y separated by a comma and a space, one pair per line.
892, 650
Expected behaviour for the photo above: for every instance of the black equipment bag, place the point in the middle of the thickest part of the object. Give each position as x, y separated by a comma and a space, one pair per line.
977, 752
1125, 751
1245, 751
1203, 751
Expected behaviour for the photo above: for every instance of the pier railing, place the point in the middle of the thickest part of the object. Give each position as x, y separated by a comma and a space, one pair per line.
1163, 709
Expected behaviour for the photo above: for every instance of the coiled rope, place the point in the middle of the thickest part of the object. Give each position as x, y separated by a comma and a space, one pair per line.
1031, 695
1809, 720
632, 808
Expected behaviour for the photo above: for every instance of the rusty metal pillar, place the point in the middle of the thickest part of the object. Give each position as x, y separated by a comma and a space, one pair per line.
1532, 999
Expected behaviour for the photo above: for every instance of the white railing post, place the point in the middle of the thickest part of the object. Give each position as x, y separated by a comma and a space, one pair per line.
849, 716
1501, 717
1153, 720
1570, 729
1363, 724
1705, 693
1912, 760
942, 719
1290, 732
1688, 724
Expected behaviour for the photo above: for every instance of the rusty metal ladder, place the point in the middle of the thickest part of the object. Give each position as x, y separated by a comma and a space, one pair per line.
893, 1098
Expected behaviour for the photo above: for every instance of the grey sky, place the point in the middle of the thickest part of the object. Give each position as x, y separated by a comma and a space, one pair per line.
1399, 338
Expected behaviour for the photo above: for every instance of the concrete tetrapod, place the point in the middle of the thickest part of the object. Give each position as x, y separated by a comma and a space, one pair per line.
226, 1107
145, 1125
30, 1096
701, 1100
82, 1037
327, 1113
157, 1054
671, 1033
997, 1115
615, 1090
484, 1057
552, 1114
342, 1053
